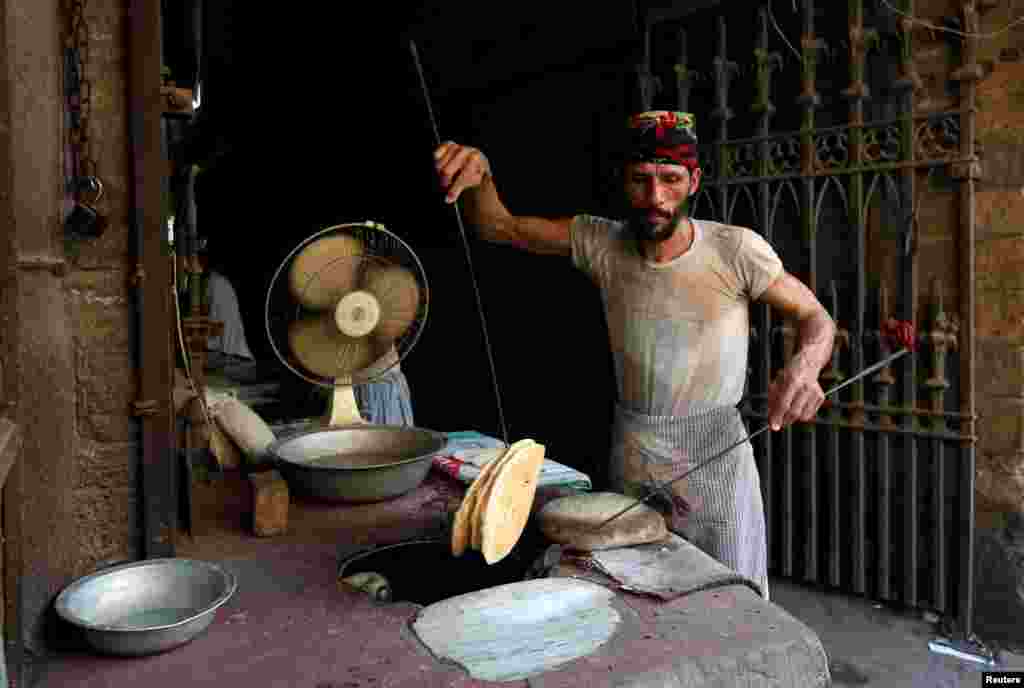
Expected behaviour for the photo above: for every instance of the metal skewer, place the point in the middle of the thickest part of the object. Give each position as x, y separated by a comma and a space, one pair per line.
661, 488
465, 245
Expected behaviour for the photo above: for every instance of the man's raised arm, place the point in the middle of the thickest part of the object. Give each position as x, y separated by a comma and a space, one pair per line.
465, 171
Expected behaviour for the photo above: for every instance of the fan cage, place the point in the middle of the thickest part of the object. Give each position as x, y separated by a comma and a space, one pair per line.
381, 247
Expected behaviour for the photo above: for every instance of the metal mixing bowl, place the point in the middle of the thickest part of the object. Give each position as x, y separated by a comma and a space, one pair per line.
148, 606
357, 463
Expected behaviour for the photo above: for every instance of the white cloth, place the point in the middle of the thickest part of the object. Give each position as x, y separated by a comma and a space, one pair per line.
224, 308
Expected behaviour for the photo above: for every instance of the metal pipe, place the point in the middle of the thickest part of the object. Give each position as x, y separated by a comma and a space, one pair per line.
968, 103
465, 245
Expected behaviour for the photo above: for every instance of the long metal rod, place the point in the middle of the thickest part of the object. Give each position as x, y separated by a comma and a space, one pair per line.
658, 489
465, 246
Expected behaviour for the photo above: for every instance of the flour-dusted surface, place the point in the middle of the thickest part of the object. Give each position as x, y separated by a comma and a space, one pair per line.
517, 631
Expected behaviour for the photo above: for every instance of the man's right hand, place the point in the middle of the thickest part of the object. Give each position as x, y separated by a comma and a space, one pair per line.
459, 168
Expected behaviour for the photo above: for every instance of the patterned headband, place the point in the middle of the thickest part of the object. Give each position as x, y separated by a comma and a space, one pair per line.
664, 137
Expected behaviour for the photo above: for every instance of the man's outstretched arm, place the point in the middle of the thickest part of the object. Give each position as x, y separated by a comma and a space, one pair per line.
465, 172
795, 394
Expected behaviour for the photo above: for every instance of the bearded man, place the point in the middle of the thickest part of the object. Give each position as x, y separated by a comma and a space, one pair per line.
677, 294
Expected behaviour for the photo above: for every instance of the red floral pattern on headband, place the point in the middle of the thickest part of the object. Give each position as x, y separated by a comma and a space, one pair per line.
681, 153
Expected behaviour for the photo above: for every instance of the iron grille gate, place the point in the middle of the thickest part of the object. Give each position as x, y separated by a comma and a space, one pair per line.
876, 497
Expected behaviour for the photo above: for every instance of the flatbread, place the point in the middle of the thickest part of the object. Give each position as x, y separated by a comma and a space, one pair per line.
510, 503
325, 271
324, 351
466, 518
463, 526
570, 521
484, 496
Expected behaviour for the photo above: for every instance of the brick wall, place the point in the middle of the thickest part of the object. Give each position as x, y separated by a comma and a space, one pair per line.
1000, 259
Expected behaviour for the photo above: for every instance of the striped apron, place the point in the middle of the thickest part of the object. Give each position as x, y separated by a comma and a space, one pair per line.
726, 519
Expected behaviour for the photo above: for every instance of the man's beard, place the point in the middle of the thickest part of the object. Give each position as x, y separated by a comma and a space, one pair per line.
645, 230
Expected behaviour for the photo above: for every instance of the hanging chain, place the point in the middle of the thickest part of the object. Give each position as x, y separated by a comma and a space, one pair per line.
79, 93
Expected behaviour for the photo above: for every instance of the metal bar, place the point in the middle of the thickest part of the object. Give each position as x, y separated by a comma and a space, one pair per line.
788, 515
874, 428
965, 526
885, 409
839, 128
856, 93
428, 103
939, 571
833, 448
970, 73
810, 100
883, 557
152, 298
840, 172
722, 113
835, 505
908, 311
764, 105
884, 381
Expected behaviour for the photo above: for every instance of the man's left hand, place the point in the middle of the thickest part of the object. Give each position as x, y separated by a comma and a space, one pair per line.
794, 395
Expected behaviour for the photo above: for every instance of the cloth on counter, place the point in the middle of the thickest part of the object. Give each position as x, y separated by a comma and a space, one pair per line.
667, 569
467, 452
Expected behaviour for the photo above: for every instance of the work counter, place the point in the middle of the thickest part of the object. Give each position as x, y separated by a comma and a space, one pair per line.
290, 624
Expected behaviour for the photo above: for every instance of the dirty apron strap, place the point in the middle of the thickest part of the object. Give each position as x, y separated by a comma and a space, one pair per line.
727, 520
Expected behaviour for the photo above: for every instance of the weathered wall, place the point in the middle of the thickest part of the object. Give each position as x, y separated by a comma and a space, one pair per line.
1000, 285
97, 300
71, 501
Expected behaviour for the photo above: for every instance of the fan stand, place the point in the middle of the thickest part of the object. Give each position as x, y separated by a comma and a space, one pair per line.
356, 315
342, 408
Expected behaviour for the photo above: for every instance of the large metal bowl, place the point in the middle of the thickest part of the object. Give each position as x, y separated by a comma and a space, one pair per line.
148, 606
357, 463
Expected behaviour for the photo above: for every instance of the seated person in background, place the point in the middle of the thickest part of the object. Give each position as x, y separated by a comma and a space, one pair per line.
224, 308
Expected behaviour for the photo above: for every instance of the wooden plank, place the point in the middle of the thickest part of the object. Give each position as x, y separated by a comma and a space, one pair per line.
516, 631
152, 302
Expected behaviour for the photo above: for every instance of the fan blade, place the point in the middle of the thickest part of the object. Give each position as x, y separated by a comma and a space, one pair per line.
324, 351
398, 294
325, 271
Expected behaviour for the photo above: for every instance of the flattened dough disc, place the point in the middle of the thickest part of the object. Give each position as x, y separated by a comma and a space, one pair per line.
510, 503
571, 520
324, 351
325, 271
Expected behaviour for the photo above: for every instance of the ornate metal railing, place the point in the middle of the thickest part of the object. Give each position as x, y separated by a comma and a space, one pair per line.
877, 495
